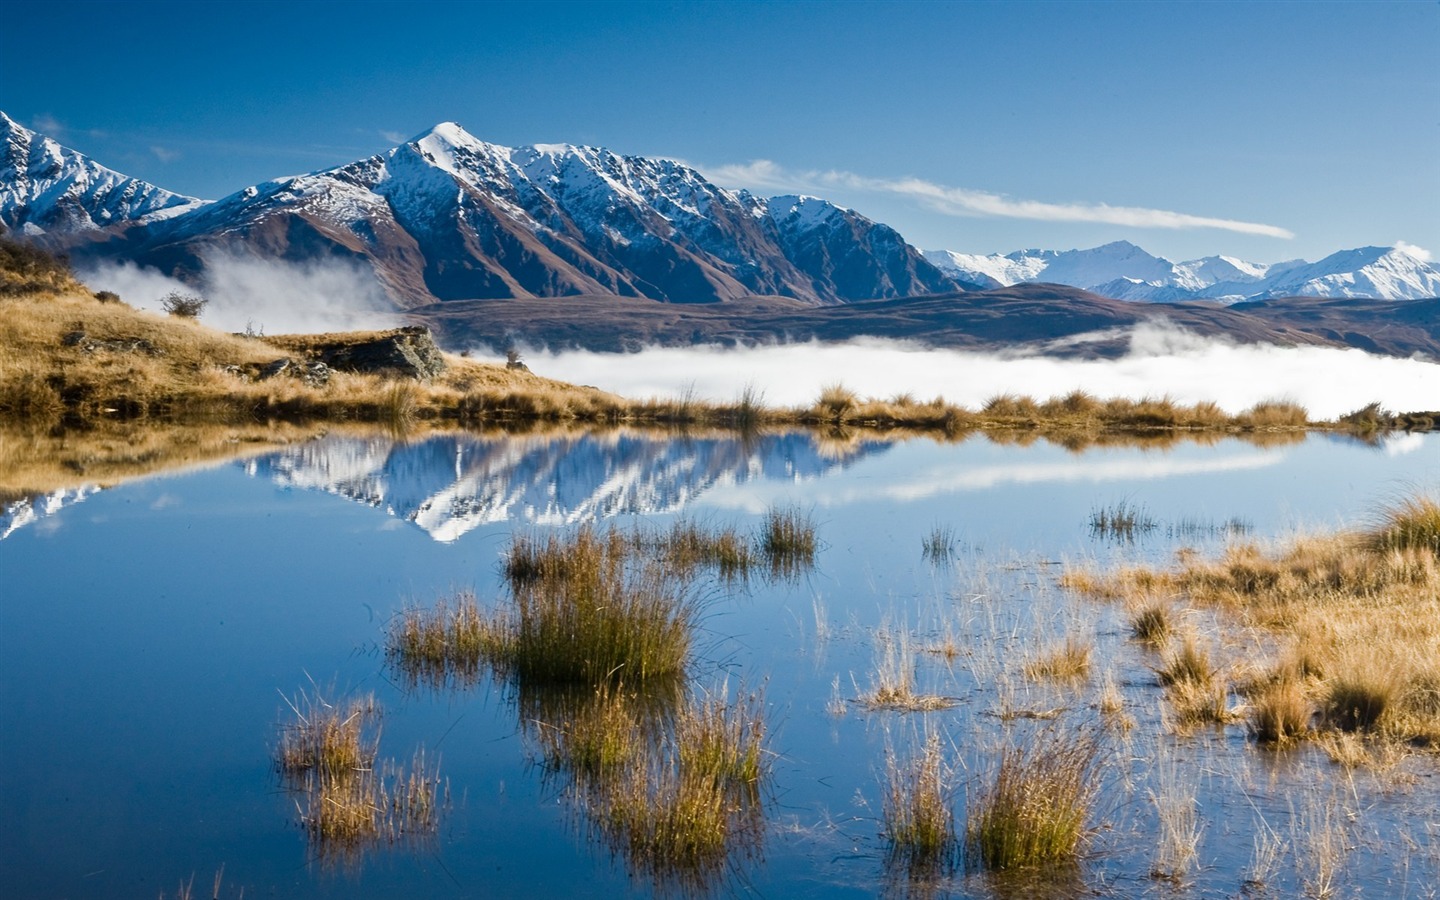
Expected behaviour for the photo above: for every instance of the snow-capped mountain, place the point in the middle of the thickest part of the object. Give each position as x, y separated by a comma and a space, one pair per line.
46, 187
1125, 272
449, 485
447, 216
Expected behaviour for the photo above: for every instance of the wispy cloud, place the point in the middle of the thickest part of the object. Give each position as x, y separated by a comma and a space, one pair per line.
48, 125
764, 174
164, 154
1419, 253
393, 137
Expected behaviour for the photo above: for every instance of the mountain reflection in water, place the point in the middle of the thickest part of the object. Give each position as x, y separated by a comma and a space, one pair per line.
448, 485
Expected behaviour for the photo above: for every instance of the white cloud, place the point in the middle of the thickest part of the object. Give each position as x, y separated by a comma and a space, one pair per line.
764, 174
1419, 253
393, 137
164, 154
1329, 382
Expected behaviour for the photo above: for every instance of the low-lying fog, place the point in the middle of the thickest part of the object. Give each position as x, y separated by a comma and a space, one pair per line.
1161, 362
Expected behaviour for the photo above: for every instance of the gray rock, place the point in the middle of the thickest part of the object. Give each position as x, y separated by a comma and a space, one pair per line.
409, 351
314, 374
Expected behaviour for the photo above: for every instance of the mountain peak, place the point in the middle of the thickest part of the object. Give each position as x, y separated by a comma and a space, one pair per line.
45, 186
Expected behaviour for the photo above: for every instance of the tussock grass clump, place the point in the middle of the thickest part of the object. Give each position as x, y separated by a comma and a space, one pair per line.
1410, 524
917, 811
1187, 662
592, 733
688, 546
1068, 660
584, 611
1274, 414
1193, 685
329, 738
1357, 700
836, 400
1150, 622
1279, 712
346, 815
349, 800
445, 645
787, 540
1032, 808
893, 681
724, 739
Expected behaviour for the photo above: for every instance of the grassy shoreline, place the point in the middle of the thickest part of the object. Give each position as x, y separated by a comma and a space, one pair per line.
73, 359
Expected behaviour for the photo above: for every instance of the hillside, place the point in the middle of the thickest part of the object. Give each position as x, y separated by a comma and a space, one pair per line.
1044, 318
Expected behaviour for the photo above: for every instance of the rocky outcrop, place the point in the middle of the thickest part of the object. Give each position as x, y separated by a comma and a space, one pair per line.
409, 351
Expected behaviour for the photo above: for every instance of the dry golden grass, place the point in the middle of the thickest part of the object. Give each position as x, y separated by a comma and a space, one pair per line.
1357, 615
892, 683
1068, 660
148, 365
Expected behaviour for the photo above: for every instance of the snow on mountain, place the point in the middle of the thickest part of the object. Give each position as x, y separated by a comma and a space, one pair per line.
46, 187
1126, 272
447, 216
447, 486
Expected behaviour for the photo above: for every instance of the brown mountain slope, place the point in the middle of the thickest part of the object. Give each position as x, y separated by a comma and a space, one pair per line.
1041, 317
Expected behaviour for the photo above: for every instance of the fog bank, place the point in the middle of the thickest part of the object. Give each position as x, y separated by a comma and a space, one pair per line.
260, 295
1161, 362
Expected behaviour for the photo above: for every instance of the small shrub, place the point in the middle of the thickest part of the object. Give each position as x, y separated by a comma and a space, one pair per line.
184, 306
107, 296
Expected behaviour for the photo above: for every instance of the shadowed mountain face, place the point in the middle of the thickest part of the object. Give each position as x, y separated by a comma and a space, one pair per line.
449, 485
447, 216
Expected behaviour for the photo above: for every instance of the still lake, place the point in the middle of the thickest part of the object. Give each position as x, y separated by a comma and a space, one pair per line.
152, 632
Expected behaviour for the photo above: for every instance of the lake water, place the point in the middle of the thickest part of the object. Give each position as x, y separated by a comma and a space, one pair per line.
152, 631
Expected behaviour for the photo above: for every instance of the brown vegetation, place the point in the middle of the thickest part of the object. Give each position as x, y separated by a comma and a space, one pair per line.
1356, 615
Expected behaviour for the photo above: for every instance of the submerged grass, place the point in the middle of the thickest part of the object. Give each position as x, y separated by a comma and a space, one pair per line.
348, 800
686, 805
1122, 521
787, 540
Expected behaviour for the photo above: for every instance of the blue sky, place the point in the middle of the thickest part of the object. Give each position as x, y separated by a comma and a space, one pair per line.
1190, 129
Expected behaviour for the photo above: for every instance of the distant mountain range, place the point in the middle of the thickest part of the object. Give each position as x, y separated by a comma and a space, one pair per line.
446, 216
581, 242
1125, 272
